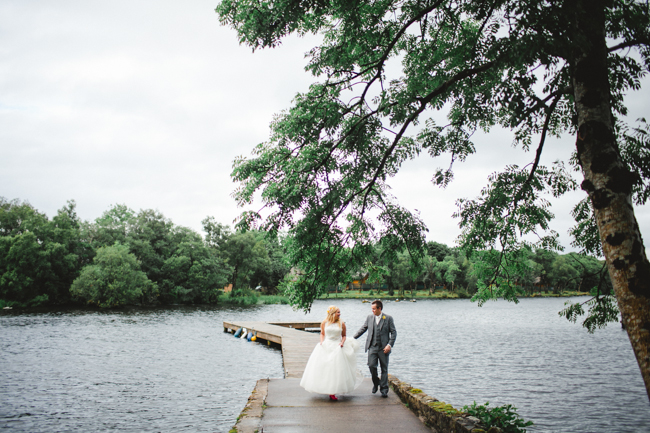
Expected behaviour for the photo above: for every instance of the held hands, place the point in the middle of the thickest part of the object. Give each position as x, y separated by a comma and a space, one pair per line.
387, 349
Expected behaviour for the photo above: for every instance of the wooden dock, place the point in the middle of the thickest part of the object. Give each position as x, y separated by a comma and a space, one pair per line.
296, 344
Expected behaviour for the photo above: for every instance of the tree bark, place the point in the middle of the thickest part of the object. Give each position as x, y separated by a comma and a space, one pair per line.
234, 280
608, 181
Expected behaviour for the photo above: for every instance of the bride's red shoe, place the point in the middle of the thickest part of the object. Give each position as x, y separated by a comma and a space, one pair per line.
333, 398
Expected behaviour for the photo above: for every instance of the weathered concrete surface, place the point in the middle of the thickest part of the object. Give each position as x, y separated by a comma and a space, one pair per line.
289, 409
281, 405
250, 419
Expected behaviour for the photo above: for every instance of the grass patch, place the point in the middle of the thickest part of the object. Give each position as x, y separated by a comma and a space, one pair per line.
273, 299
253, 299
371, 295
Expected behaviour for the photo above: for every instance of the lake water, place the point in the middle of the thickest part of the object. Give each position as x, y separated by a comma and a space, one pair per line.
176, 370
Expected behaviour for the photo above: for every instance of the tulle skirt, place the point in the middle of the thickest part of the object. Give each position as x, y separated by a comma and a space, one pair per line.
332, 369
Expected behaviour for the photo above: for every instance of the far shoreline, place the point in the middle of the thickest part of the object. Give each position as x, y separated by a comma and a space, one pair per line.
443, 294
244, 301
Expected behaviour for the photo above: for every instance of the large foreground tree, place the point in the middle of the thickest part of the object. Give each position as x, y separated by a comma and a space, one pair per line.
386, 67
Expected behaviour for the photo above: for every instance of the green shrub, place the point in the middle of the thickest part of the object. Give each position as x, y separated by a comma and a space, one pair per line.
504, 417
39, 300
113, 279
10, 304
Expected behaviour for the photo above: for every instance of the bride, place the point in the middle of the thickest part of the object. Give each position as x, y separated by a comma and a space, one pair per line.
332, 366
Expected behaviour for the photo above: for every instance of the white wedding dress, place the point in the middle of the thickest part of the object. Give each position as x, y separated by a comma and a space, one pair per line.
332, 369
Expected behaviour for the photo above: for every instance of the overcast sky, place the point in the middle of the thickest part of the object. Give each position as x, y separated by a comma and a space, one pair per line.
147, 103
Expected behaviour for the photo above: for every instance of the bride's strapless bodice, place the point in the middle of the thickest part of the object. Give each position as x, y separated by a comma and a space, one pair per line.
333, 332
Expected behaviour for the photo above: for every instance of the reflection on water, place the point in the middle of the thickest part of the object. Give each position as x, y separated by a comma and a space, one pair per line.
174, 369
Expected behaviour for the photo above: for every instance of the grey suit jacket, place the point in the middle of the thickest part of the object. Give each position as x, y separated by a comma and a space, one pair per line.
387, 331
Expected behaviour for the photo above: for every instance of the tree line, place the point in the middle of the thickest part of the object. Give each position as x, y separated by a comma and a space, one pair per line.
127, 257
124, 257
450, 269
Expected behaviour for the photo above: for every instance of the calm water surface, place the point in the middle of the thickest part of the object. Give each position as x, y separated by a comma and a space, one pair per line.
175, 370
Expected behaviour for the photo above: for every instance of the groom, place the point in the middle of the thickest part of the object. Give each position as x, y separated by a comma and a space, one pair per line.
380, 340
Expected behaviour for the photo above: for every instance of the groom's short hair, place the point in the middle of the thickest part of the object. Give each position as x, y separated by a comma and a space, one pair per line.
378, 304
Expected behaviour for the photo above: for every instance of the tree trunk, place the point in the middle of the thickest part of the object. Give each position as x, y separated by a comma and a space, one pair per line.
234, 280
608, 181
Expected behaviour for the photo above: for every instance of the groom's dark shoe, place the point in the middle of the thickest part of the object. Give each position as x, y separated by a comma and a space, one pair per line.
384, 394
375, 388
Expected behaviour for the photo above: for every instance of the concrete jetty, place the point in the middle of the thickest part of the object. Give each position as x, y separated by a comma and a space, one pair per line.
289, 409
282, 406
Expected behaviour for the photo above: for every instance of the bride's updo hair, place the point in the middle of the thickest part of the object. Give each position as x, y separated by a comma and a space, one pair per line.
331, 314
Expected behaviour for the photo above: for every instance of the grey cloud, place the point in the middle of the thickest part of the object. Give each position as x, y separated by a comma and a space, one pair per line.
147, 103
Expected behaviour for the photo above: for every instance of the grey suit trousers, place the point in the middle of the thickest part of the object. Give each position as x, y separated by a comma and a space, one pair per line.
376, 355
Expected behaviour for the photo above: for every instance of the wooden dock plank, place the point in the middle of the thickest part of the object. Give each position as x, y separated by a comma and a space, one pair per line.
296, 343
297, 325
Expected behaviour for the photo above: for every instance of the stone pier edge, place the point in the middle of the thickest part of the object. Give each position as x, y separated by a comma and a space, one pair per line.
437, 415
250, 419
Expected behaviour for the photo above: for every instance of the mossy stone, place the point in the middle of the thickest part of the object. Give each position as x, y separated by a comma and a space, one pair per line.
441, 406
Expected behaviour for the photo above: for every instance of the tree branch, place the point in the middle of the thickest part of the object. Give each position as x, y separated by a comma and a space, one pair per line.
503, 240
542, 102
627, 44
423, 105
